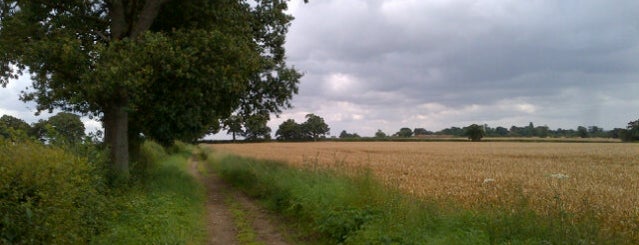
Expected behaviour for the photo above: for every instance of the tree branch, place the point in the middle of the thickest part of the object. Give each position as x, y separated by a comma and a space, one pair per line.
147, 16
118, 20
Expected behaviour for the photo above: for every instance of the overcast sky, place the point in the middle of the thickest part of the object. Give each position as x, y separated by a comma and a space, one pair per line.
387, 64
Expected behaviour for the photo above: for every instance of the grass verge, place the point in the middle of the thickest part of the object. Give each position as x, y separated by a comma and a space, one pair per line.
167, 208
330, 208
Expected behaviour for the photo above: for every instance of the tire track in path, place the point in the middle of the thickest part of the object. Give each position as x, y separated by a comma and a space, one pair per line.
222, 228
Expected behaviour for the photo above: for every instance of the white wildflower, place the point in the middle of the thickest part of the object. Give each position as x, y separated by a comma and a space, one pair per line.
488, 180
559, 176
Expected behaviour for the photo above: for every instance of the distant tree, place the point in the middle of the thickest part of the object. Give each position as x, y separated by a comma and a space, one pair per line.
616, 133
455, 131
380, 134
421, 131
346, 135
314, 127
10, 123
595, 131
404, 132
542, 131
233, 125
474, 132
289, 130
632, 132
530, 130
501, 131
255, 127
67, 127
39, 130
582, 132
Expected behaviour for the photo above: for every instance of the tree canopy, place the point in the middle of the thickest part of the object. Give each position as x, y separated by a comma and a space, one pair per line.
165, 69
474, 132
312, 129
289, 130
315, 127
10, 125
404, 132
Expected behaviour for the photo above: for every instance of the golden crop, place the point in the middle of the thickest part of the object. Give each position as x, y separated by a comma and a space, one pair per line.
578, 177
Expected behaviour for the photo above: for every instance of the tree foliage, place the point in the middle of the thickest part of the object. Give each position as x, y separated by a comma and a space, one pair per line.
312, 129
233, 125
67, 127
165, 69
346, 135
380, 134
474, 132
255, 128
631, 133
404, 133
315, 127
10, 125
289, 130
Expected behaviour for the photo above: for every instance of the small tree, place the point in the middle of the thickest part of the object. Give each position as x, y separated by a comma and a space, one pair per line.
233, 125
314, 127
421, 131
474, 132
380, 134
9, 124
582, 132
289, 130
67, 127
255, 127
631, 133
346, 135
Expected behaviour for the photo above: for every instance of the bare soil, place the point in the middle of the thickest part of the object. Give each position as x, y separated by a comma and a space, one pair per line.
220, 221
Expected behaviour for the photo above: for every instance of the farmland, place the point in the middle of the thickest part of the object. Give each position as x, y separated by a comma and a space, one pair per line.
600, 179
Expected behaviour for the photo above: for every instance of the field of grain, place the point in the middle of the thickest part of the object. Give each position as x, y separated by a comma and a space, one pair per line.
599, 178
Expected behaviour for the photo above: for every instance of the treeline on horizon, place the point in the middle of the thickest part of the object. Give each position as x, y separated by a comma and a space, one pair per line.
315, 128
631, 133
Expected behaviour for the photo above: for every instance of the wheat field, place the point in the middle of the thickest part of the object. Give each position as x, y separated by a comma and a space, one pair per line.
599, 178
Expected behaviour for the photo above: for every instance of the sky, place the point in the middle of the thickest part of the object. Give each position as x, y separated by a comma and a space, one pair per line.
434, 64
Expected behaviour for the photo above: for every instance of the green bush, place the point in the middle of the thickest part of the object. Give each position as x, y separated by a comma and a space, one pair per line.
150, 153
47, 195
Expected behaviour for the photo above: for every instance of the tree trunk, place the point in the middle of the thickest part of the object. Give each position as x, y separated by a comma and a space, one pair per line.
116, 121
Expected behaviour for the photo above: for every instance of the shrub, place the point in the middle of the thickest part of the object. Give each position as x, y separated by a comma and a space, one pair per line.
47, 195
150, 153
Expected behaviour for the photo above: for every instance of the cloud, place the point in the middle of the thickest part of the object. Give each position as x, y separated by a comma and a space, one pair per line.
387, 64
435, 64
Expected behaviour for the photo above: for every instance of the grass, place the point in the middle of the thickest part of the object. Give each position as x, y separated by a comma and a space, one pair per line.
166, 208
332, 207
245, 232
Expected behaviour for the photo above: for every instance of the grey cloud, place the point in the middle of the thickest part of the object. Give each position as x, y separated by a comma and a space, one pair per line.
568, 59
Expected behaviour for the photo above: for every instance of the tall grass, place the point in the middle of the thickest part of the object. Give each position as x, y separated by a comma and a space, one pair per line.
59, 195
166, 208
333, 208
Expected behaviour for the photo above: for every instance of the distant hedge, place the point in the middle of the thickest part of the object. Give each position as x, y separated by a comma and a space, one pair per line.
47, 195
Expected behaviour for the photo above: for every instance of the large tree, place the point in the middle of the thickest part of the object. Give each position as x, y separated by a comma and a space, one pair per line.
165, 69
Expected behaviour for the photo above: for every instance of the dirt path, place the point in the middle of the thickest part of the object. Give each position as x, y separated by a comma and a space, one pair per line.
221, 222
